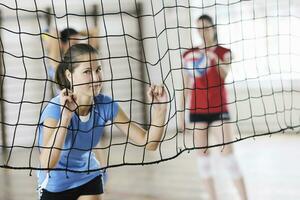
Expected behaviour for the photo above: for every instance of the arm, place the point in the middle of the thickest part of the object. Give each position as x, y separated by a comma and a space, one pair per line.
184, 98
53, 140
54, 132
225, 65
94, 41
92, 35
152, 137
53, 47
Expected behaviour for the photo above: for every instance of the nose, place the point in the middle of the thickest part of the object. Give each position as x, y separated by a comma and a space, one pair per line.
96, 77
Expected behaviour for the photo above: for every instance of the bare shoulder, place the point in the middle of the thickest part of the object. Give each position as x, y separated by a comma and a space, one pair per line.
225, 54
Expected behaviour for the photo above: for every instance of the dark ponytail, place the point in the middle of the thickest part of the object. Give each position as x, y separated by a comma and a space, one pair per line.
70, 61
210, 20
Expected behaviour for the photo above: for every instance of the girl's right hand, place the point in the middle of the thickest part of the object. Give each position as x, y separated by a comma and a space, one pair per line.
68, 104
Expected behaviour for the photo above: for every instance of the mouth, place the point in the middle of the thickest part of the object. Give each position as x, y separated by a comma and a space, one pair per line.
96, 88
96, 85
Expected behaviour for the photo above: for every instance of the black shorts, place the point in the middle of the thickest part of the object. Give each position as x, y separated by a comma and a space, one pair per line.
93, 187
209, 118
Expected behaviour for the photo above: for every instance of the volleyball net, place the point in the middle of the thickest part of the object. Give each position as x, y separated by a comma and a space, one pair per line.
142, 43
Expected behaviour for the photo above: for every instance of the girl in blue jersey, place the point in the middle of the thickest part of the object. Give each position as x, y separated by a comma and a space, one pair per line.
72, 124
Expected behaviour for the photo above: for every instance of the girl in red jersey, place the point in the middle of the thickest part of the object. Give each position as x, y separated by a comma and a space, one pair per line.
205, 69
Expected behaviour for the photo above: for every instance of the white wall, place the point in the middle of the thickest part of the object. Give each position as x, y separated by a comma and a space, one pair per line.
262, 35
263, 82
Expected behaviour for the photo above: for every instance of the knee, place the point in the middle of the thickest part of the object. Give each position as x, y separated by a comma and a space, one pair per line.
204, 167
227, 150
230, 163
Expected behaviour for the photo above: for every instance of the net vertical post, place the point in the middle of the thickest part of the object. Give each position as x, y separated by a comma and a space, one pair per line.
95, 14
48, 17
142, 63
2, 116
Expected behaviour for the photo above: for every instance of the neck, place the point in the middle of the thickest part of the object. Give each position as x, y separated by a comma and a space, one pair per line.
210, 43
84, 105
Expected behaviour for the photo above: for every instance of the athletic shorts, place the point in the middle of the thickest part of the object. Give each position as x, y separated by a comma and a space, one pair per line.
93, 187
209, 118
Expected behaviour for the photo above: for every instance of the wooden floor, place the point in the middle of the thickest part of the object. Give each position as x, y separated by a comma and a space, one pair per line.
271, 168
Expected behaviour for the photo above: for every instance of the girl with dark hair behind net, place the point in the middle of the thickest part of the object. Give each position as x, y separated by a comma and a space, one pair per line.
72, 125
205, 69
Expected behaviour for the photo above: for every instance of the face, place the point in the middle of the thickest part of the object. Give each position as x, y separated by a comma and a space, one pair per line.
206, 31
87, 76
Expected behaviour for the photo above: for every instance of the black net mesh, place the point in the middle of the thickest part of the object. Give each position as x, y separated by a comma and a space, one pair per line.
142, 43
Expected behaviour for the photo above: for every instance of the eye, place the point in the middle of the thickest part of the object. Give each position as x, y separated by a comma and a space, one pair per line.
98, 69
87, 71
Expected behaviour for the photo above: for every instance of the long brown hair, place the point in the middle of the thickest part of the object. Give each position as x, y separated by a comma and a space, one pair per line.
70, 61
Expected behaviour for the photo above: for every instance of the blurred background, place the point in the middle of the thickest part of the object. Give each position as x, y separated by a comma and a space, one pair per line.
141, 43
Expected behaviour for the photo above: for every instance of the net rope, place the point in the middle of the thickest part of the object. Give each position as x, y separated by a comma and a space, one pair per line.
142, 43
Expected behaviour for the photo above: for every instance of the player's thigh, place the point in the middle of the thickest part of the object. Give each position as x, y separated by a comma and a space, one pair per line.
200, 135
223, 134
90, 197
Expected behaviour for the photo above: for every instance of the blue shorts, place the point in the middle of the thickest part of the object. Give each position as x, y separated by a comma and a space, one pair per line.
93, 187
209, 118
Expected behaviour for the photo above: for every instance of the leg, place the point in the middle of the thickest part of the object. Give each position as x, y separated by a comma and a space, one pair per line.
93, 190
90, 197
228, 159
204, 168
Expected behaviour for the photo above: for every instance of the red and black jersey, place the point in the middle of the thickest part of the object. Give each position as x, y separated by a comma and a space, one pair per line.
208, 94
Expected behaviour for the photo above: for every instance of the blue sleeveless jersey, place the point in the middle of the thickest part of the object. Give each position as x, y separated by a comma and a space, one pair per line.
76, 155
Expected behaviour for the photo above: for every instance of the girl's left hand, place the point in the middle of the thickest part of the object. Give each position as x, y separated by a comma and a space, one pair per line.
157, 95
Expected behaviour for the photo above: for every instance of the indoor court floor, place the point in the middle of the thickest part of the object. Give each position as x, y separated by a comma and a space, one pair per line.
270, 165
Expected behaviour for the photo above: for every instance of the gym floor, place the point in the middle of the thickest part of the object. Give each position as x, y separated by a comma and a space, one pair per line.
270, 166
